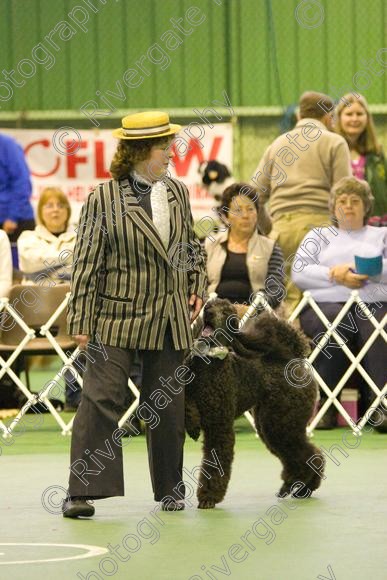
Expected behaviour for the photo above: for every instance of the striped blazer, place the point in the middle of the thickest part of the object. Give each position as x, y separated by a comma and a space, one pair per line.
125, 285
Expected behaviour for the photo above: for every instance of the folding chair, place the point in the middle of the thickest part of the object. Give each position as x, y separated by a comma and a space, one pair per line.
31, 311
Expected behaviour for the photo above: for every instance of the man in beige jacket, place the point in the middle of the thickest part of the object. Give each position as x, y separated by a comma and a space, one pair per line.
296, 174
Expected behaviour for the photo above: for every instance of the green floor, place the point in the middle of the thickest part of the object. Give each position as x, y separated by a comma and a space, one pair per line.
340, 533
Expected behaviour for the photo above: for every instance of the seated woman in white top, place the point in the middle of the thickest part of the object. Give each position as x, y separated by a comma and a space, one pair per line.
47, 251
325, 265
46, 255
5, 265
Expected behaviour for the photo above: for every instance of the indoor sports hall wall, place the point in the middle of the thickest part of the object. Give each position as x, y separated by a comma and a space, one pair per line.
73, 57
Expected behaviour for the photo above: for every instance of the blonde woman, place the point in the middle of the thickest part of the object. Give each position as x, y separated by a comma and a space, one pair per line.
47, 253
354, 122
48, 249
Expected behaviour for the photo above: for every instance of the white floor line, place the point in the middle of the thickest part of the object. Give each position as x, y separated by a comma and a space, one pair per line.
91, 552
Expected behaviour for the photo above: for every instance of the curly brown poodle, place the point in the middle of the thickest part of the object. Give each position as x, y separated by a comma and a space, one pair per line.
250, 375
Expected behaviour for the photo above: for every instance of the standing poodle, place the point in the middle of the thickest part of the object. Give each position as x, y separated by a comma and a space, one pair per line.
260, 368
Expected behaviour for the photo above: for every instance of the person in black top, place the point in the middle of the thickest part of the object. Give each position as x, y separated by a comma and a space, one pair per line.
241, 261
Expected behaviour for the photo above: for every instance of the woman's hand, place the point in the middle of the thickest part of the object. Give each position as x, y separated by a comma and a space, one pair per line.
82, 340
195, 306
9, 226
343, 275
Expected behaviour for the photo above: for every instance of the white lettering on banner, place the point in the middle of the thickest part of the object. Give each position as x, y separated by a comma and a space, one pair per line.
77, 174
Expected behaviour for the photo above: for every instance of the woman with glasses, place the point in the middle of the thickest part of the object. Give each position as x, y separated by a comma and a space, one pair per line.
240, 260
46, 256
47, 251
331, 274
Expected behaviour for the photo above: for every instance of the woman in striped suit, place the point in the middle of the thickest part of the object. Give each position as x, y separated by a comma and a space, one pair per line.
138, 271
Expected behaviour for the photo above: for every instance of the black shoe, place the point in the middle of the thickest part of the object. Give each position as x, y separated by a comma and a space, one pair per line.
172, 505
73, 507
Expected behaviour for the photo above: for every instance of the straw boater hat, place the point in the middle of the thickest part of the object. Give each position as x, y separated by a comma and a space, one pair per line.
146, 125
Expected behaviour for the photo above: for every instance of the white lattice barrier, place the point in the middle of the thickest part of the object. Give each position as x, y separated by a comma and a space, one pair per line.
43, 395
332, 395
259, 301
5, 365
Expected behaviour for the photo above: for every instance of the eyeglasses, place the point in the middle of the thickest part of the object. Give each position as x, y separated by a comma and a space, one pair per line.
348, 200
54, 206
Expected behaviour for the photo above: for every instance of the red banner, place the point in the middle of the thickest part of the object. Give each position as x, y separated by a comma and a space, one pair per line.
77, 161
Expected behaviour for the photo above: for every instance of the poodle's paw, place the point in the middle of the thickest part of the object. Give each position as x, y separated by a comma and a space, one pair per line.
297, 490
193, 432
301, 491
206, 504
283, 492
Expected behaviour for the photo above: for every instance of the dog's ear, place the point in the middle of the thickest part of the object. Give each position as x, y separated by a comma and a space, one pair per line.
233, 322
291, 339
270, 336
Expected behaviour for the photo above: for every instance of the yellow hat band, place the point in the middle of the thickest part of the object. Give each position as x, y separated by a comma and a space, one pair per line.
145, 131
